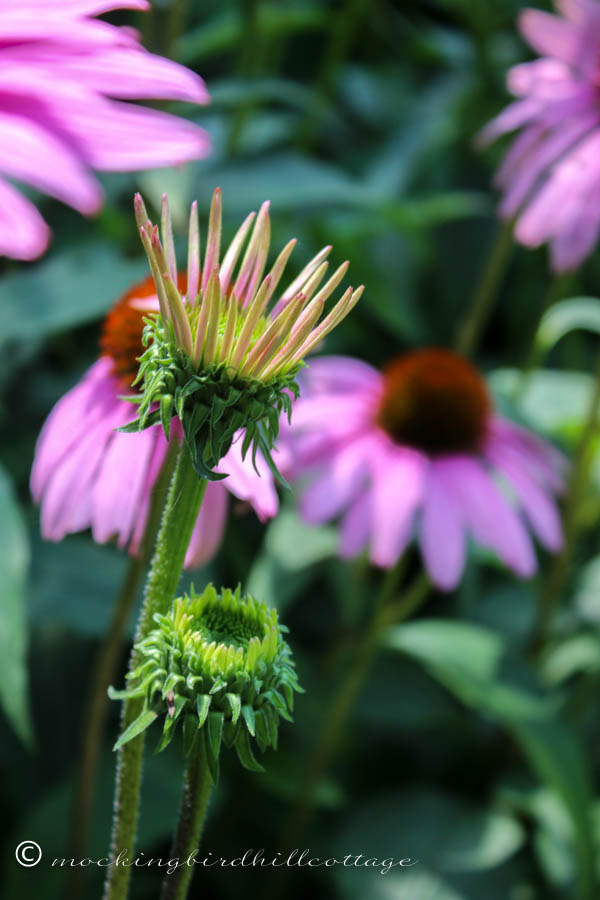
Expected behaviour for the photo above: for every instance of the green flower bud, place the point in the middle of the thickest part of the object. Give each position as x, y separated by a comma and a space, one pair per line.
218, 664
224, 354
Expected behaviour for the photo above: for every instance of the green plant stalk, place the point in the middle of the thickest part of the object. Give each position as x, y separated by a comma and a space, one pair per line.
175, 26
553, 584
471, 329
104, 674
179, 516
558, 288
252, 52
197, 787
386, 612
344, 26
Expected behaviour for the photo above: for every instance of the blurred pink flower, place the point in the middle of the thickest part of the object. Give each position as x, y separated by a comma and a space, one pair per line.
87, 475
550, 176
58, 69
418, 451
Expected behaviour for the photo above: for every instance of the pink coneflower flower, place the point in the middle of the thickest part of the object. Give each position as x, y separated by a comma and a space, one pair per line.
418, 451
87, 475
59, 70
551, 174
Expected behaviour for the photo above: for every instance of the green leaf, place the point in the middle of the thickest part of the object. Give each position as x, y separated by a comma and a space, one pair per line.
471, 662
66, 572
140, 724
224, 31
14, 560
249, 718
214, 727
203, 702
576, 313
235, 706
290, 553
292, 182
244, 751
552, 401
65, 290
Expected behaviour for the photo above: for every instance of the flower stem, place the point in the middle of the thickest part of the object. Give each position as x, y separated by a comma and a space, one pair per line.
558, 288
471, 329
179, 516
197, 787
553, 585
104, 674
385, 613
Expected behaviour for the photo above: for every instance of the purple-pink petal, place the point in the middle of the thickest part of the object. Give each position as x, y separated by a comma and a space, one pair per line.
551, 175
60, 70
442, 536
399, 486
209, 526
488, 514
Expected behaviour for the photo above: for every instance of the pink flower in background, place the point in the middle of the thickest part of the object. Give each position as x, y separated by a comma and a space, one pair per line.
87, 475
417, 451
550, 176
59, 70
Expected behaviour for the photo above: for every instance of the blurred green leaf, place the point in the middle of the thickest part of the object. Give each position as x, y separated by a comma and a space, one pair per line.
297, 545
587, 592
553, 401
570, 655
291, 181
67, 289
74, 584
290, 550
568, 315
14, 560
226, 30
471, 662
437, 831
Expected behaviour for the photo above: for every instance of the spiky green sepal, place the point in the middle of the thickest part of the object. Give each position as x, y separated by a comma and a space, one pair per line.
217, 664
212, 404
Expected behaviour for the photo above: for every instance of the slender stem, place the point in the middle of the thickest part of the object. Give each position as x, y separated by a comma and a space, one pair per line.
553, 585
249, 64
175, 26
558, 288
345, 23
197, 787
104, 674
179, 516
471, 329
338, 709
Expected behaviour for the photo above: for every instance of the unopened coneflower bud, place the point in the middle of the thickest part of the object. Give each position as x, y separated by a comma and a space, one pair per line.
218, 664
223, 356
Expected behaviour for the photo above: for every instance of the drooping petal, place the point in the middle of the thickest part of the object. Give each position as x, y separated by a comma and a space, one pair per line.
398, 488
209, 527
539, 507
24, 144
339, 482
247, 483
442, 536
23, 233
356, 526
488, 514
118, 485
89, 402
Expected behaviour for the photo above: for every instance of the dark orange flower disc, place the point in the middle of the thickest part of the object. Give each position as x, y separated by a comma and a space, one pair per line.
436, 401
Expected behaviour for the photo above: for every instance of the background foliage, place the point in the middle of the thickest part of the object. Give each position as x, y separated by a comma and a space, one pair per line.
357, 120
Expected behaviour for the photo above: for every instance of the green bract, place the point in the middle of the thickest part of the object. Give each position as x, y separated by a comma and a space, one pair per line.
212, 404
218, 664
221, 355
